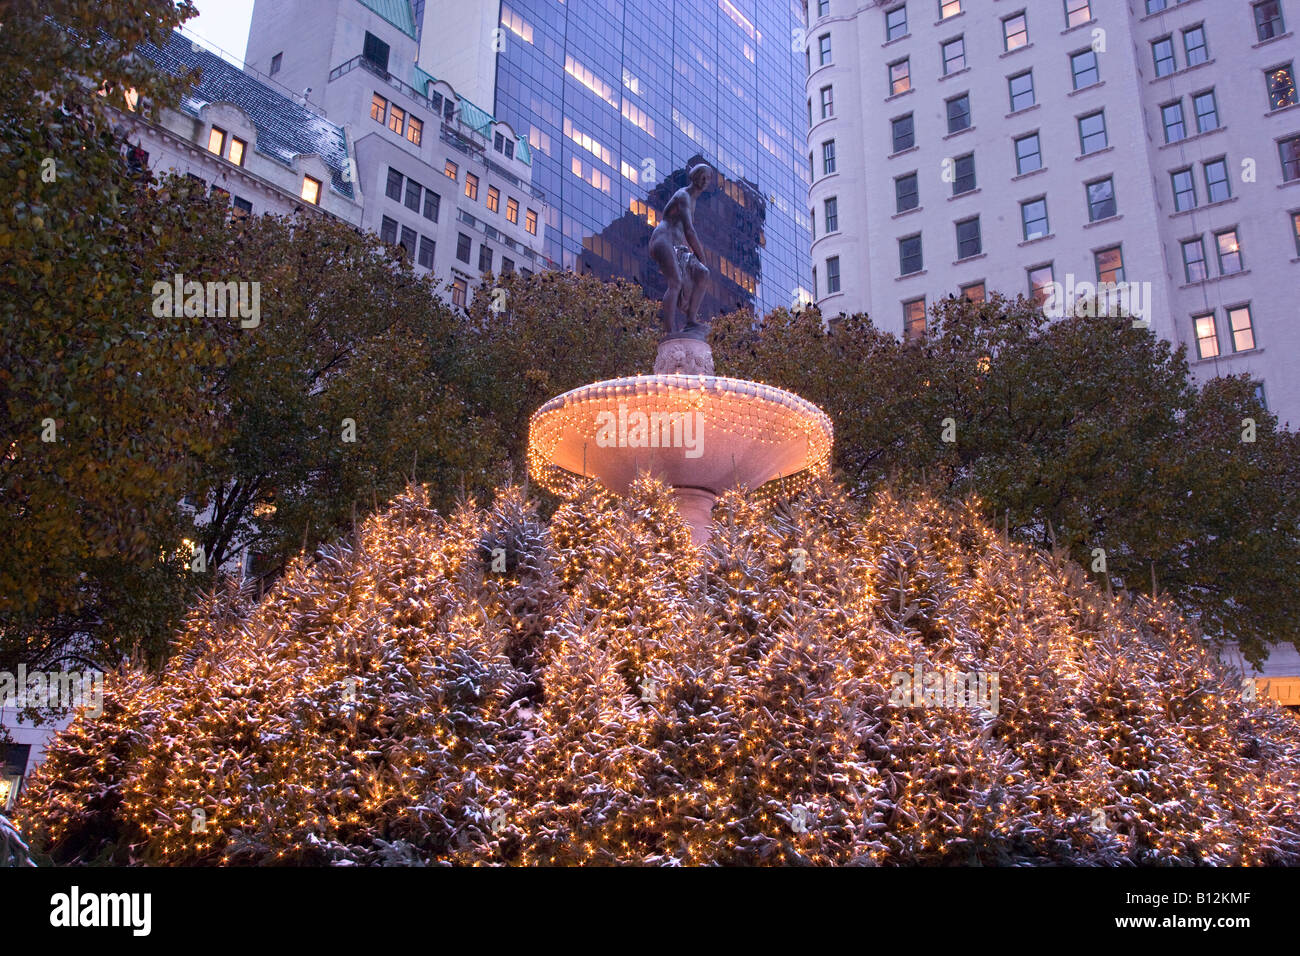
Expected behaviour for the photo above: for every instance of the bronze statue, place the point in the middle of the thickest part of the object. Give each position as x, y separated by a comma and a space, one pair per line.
677, 251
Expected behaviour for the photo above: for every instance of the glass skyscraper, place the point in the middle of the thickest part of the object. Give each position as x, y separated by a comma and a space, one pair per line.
618, 97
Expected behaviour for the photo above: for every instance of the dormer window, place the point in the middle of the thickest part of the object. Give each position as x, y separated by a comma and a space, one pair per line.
237, 148
311, 190
217, 141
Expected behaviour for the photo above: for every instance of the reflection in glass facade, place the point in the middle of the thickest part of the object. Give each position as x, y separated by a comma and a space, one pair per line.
618, 97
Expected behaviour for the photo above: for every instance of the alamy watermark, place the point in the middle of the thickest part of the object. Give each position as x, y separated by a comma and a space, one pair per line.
972, 690
53, 690
638, 429
1091, 299
180, 299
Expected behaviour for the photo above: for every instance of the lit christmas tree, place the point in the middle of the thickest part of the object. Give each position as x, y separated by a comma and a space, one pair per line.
827, 682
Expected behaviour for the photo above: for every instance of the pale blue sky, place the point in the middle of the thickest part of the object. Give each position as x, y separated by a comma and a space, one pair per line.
222, 24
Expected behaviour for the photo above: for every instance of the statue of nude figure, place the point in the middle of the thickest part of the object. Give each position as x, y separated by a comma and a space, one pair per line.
677, 251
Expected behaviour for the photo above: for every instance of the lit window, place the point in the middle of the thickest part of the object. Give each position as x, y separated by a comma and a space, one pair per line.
1110, 265
451, 170
1021, 87
974, 292
1101, 200
217, 141
1194, 267
906, 193
913, 320
1184, 185
909, 255
1229, 252
1268, 20
1029, 155
959, 113
1084, 67
378, 108
1207, 111
1194, 45
963, 174
903, 133
900, 77
1243, 329
969, 242
494, 199
1076, 12
1033, 215
1162, 51
832, 275
414, 130
237, 149
1217, 187
471, 186
954, 55
1171, 115
896, 23
1281, 87
1092, 132
311, 190
396, 119
1040, 281
949, 8
530, 222
512, 210
1289, 149
1207, 337
458, 291
1015, 32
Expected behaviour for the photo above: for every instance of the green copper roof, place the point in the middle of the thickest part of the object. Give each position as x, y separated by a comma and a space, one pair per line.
422, 80
471, 115
396, 12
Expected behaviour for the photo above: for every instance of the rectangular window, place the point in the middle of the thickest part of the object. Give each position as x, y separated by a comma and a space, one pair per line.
451, 170
375, 51
1184, 186
216, 140
471, 186
484, 258
828, 102
1155, 6
903, 133
459, 289
1243, 329
824, 49
243, 208
823, 8
1110, 265
512, 210
394, 187
1076, 12
974, 292
1171, 115
530, 222
913, 320
311, 190
396, 119
832, 275
1207, 336
1281, 87
964, 174
1101, 200
828, 157
968, 238
1092, 133
425, 257
408, 242
906, 193
1084, 67
237, 149
1033, 216
414, 130
954, 55
1021, 87
1015, 31
1229, 252
949, 8
1289, 150
831, 219
1194, 266
388, 230
1162, 52
1040, 281
432, 202
1217, 187
1194, 45
413, 191
378, 109
909, 255
494, 199
1268, 20
507, 266
462, 247
1207, 111
959, 113
900, 77
1029, 154
276, 61
1295, 228
896, 23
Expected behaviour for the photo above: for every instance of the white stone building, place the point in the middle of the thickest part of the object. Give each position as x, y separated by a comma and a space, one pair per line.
999, 145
